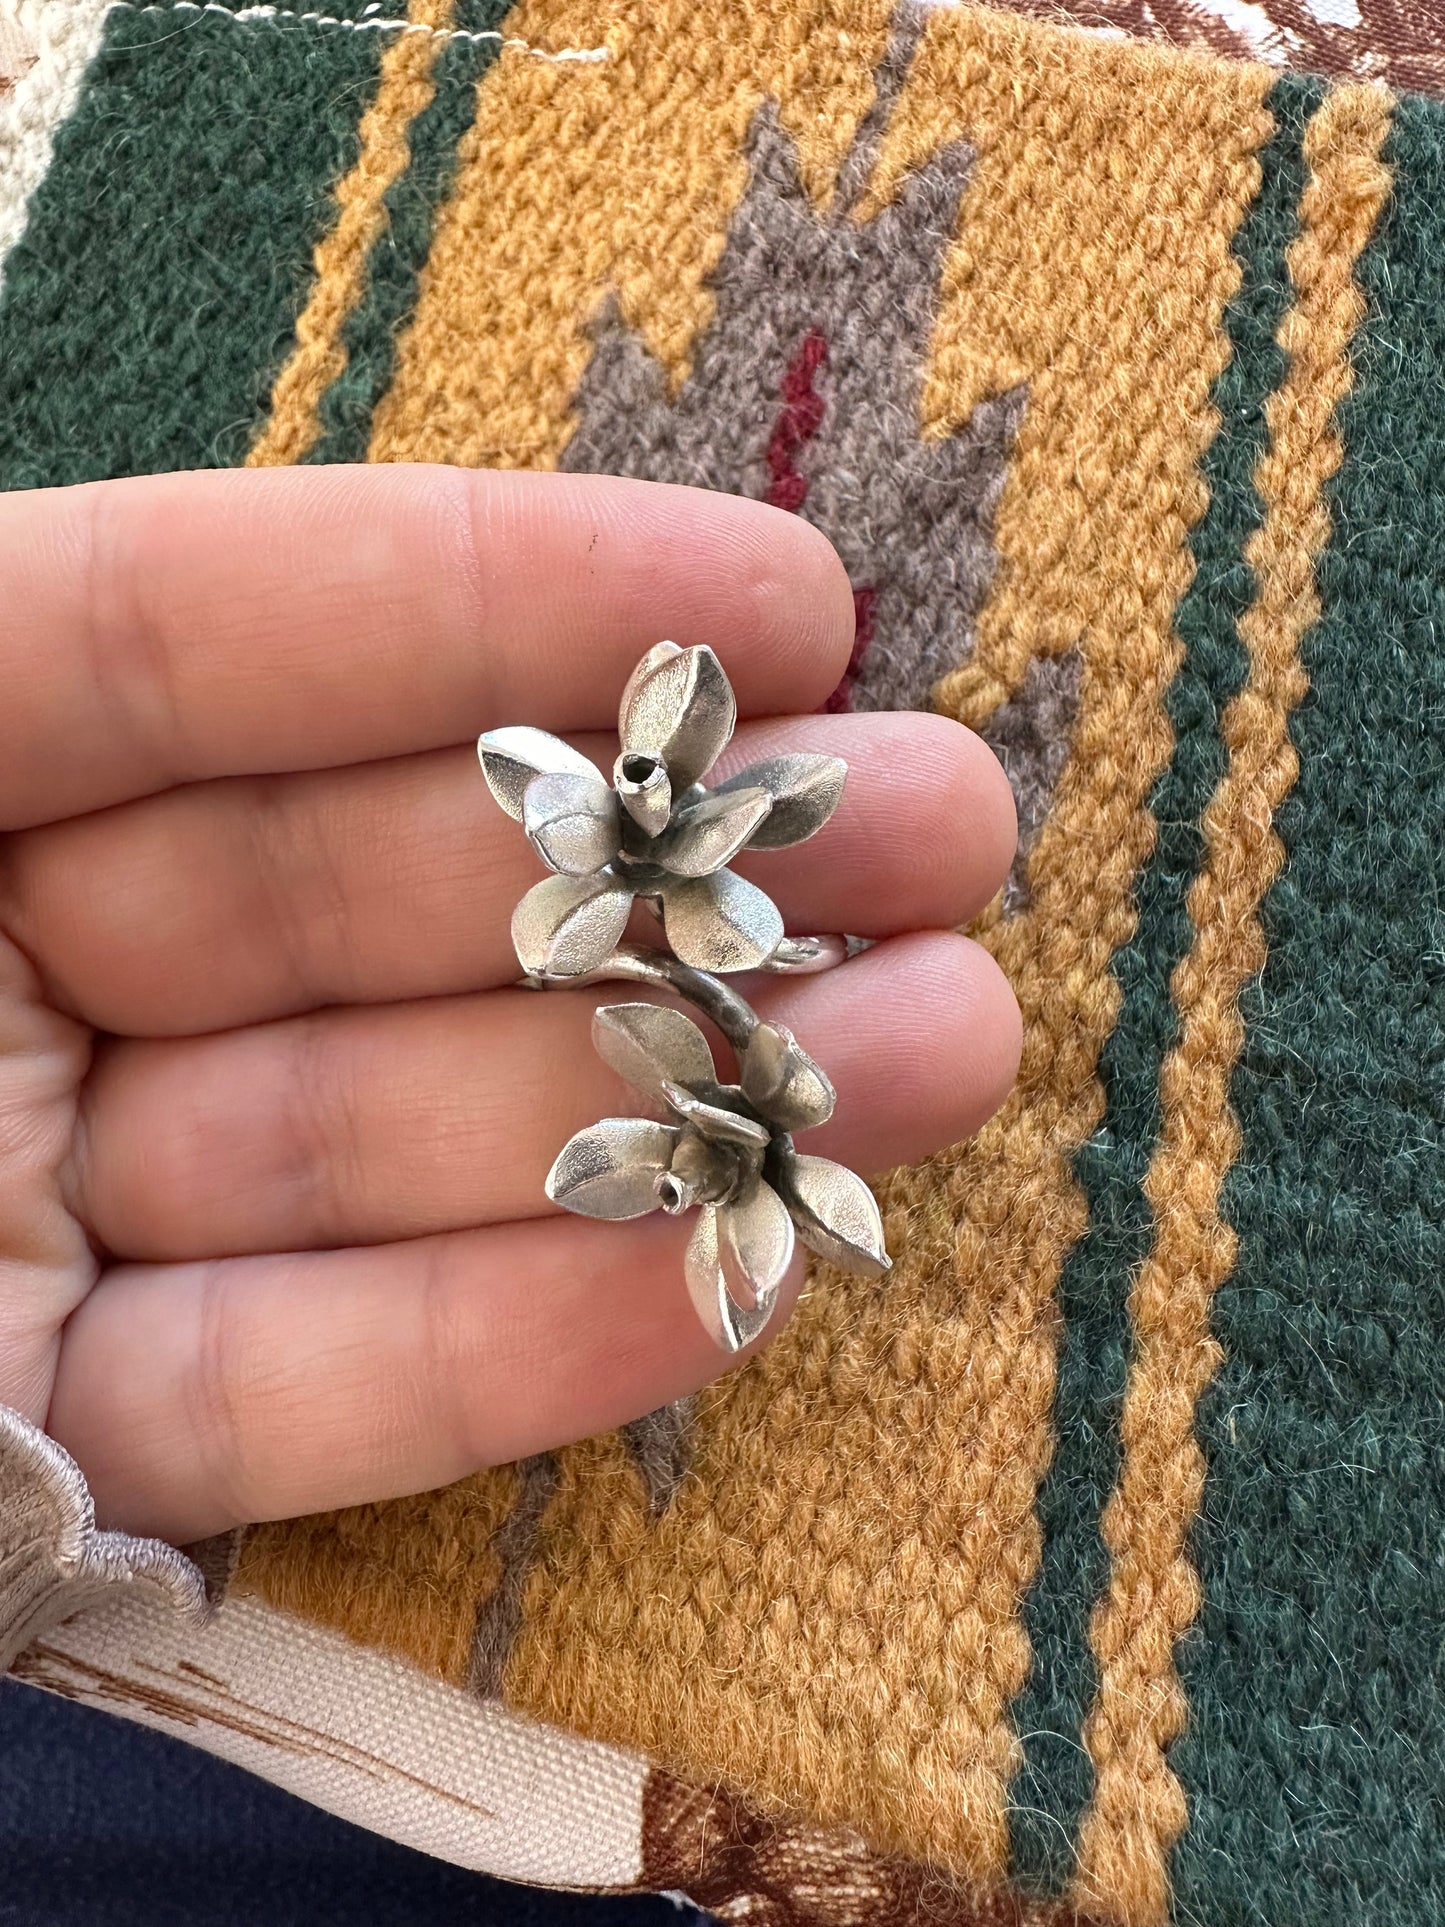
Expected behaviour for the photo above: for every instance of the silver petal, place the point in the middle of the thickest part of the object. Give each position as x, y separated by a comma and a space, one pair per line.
682, 710
746, 1325
511, 757
720, 922
782, 1081
805, 790
566, 926
611, 1169
729, 1326
709, 834
650, 1045
713, 1121
706, 1285
659, 653
572, 821
836, 1214
755, 1240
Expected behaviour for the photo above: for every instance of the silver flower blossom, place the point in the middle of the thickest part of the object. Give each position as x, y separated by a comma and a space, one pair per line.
727, 1149
654, 832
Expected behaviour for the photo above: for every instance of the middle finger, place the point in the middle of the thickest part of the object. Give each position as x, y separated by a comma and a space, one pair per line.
237, 901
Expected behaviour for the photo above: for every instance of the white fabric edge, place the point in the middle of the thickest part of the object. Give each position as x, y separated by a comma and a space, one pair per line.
64, 35
365, 1735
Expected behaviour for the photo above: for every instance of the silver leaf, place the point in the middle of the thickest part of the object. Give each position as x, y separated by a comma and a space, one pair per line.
730, 1326
572, 821
566, 926
714, 1122
709, 834
720, 922
836, 1214
682, 710
511, 757
755, 1239
649, 1044
805, 789
782, 1081
611, 1170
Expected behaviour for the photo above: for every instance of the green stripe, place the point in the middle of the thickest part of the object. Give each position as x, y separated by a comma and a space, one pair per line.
153, 295
394, 268
1314, 1762
1053, 1787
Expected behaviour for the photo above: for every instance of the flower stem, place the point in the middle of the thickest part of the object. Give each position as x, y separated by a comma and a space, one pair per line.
734, 1017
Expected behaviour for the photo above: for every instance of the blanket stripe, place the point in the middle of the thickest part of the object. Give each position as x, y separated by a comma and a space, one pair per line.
1050, 1795
1311, 1758
1139, 1808
405, 88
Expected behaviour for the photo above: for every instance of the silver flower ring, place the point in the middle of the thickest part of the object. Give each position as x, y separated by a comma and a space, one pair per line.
656, 834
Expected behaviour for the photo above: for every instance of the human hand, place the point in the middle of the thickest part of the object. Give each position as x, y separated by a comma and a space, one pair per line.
274, 1118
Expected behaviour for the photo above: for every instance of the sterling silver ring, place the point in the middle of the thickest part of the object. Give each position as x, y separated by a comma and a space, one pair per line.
657, 835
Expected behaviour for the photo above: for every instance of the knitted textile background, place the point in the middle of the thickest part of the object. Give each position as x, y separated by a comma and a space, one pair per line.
1094, 1564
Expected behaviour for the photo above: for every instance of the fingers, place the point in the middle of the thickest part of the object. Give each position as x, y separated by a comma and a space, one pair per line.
162, 629
237, 901
197, 1397
359, 1127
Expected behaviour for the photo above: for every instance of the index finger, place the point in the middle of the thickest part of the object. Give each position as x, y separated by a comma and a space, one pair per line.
158, 630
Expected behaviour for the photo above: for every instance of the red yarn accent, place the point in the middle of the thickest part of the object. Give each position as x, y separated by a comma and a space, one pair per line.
799, 421
865, 602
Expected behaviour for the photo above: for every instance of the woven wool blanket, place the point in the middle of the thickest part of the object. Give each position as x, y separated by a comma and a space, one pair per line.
1093, 1568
